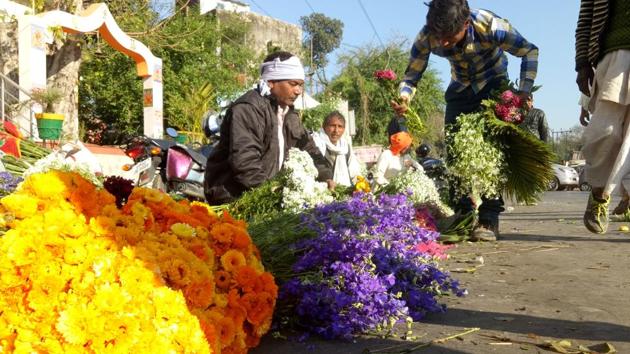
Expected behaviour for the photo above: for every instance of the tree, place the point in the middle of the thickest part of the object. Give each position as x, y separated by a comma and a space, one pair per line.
323, 35
370, 100
201, 59
567, 142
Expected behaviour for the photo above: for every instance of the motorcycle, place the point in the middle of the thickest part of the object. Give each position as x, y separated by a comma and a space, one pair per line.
149, 161
433, 168
186, 165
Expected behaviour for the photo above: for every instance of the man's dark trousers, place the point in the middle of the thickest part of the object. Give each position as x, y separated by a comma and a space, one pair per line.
468, 101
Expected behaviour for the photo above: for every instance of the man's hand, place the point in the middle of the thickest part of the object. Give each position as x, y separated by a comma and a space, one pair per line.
584, 79
402, 107
331, 184
524, 96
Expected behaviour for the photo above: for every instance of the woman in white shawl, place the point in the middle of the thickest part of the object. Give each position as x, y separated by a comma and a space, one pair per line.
337, 150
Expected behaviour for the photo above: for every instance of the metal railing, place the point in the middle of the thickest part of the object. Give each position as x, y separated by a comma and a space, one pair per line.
11, 107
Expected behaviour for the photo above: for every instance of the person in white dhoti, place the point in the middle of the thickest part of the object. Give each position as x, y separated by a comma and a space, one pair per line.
333, 144
602, 63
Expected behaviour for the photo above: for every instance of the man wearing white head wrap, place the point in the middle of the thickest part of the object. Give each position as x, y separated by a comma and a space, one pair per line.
258, 130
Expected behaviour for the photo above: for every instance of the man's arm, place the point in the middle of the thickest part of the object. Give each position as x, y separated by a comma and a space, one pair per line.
418, 61
585, 73
246, 137
511, 41
583, 34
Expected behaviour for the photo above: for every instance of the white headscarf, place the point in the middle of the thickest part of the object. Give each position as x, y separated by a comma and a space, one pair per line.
290, 69
346, 165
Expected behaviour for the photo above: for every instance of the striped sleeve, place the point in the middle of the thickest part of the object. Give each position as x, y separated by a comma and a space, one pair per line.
511, 41
583, 34
418, 61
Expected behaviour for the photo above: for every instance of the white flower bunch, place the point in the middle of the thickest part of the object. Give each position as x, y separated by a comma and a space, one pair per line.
477, 163
301, 189
423, 189
57, 161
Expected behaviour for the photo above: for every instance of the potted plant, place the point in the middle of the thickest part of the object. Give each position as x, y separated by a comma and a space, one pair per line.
49, 124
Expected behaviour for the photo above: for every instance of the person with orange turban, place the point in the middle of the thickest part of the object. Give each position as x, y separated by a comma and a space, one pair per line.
394, 160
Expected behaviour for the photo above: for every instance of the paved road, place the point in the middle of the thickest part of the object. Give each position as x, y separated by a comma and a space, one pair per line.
548, 279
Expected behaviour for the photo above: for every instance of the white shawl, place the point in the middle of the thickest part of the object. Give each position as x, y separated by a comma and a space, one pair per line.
347, 166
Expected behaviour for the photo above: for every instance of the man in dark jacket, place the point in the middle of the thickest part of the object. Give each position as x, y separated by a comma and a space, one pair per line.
535, 121
258, 130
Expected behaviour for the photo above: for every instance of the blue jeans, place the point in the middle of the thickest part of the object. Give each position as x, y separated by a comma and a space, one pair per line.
468, 101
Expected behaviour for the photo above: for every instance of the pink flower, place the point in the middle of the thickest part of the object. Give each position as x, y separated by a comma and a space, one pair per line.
387, 74
433, 249
502, 110
507, 96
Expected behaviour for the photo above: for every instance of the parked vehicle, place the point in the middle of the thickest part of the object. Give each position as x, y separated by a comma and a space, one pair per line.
565, 177
584, 186
149, 161
433, 168
186, 164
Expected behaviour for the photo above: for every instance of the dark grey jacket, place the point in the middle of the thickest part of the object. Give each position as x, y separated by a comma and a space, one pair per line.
535, 122
247, 153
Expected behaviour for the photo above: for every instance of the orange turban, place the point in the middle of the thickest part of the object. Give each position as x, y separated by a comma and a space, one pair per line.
399, 142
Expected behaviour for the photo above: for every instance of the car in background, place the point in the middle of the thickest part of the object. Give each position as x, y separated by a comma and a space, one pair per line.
584, 186
565, 177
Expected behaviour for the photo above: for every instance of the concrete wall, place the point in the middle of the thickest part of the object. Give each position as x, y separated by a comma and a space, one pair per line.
266, 31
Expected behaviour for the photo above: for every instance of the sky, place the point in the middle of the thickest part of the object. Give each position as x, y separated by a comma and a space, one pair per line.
549, 24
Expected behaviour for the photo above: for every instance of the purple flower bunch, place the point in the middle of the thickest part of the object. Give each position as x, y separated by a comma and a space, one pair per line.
8, 183
362, 271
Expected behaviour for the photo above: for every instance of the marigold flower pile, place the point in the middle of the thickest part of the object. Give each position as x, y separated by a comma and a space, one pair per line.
78, 274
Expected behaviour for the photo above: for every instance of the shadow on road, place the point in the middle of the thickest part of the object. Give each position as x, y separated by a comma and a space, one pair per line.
315, 345
526, 324
555, 238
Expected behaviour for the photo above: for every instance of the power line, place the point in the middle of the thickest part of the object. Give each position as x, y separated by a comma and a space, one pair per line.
309, 6
371, 23
261, 8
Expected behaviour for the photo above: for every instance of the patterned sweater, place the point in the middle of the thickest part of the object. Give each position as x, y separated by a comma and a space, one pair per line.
590, 26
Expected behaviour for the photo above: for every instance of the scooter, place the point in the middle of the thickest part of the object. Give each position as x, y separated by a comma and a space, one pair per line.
149, 161
186, 166
433, 168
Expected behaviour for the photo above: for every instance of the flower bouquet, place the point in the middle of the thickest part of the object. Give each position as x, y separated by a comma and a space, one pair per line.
412, 121
490, 154
80, 274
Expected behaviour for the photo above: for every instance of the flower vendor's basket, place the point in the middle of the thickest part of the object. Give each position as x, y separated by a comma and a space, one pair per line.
49, 125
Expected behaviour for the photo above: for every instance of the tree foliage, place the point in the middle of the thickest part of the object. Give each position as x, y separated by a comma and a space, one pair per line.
202, 58
371, 101
324, 33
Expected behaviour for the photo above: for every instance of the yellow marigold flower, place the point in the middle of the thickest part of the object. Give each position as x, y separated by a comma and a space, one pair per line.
111, 298
20, 205
232, 259
74, 324
52, 185
183, 230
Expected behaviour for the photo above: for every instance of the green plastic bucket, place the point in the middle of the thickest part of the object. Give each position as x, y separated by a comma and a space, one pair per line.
49, 126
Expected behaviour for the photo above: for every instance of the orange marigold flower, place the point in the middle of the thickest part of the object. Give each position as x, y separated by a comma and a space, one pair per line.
222, 279
227, 330
222, 233
199, 294
241, 239
246, 277
232, 259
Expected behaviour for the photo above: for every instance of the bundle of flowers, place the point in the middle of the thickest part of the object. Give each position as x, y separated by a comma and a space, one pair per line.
293, 190
78, 274
477, 163
510, 108
362, 270
508, 159
8, 183
422, 191
414, 124
301, 190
